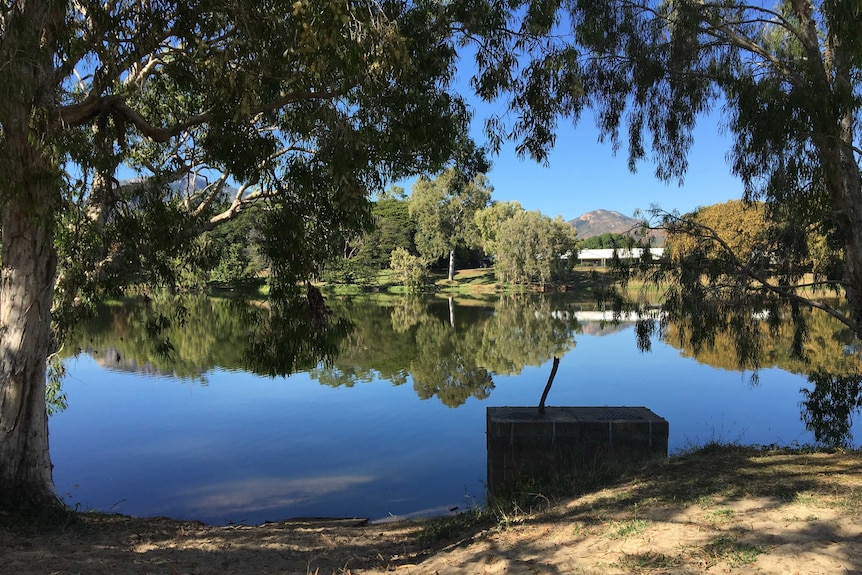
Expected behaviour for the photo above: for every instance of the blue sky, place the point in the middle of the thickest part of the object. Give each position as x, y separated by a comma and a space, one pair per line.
585, 175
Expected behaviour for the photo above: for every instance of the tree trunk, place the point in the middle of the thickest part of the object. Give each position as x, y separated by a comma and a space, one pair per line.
852, 210
844, 178
30, 191
29, 264
451, 264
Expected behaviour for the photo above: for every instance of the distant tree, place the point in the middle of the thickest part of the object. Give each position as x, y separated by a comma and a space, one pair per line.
233, 247
733, 229
353, 266
532, 247
443, 209
363, 255
393, 192
607, 240
489, 220
394, 228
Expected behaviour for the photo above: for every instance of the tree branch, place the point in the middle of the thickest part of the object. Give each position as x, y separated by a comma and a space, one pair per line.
211, 192
788, 293
734, 38
94, 105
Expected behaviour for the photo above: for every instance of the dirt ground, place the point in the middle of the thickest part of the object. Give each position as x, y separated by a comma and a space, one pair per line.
720, 510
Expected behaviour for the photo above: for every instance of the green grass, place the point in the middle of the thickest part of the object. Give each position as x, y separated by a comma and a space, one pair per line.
454, 526
732, 551
584, 282
624, 529
721, 515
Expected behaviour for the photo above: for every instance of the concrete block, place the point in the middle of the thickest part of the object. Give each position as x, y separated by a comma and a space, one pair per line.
524, 444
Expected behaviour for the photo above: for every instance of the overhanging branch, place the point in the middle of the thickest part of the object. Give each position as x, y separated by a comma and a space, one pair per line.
746, 270
93, 106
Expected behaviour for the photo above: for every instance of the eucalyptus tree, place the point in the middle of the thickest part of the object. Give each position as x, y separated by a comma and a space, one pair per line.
444, 209
532, 247
785, 78
489, 220
123, 123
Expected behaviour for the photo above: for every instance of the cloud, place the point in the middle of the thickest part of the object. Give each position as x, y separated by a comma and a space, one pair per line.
260, 494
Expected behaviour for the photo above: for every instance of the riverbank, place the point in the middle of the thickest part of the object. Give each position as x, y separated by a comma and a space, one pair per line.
584, 281
717, 510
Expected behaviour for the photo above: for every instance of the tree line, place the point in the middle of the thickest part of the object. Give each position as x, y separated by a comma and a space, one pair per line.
452, 218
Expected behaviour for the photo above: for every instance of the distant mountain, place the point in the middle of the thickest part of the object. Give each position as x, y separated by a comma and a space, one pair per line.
187, 184
598, 222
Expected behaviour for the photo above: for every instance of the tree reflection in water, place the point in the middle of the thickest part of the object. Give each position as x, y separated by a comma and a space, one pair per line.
450, 350
825, 351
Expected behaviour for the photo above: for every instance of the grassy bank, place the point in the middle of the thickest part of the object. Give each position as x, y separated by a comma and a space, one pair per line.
585, 282
718, 509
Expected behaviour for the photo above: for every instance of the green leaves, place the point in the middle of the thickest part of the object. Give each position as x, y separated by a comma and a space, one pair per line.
533, 248
444, 209
785, 78
409, 269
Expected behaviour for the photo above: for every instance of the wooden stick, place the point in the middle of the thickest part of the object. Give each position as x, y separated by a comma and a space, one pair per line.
548, 385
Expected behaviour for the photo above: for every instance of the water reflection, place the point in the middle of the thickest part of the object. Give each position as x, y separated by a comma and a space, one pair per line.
449, 350
445, 348
828, 408
824, 350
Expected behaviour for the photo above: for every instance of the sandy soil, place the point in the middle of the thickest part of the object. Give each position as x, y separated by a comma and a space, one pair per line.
727, 510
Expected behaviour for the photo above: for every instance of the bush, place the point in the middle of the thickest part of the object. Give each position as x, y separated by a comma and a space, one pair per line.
409, 269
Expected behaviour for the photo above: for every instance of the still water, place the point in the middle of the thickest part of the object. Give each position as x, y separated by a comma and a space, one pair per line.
173, 422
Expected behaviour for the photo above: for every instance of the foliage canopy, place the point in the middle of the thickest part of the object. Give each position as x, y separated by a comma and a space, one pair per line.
124, 124
785, 78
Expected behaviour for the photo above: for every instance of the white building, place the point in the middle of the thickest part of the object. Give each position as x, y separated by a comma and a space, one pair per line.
602, 256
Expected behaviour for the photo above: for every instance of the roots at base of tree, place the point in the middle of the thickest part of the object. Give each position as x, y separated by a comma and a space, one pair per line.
28, 508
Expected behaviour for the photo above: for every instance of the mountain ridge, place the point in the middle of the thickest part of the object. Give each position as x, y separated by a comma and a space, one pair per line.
598, 222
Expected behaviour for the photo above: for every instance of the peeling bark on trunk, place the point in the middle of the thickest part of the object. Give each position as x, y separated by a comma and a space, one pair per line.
30, 194
26, 287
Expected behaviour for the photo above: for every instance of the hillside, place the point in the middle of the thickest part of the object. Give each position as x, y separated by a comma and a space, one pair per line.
598, 222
